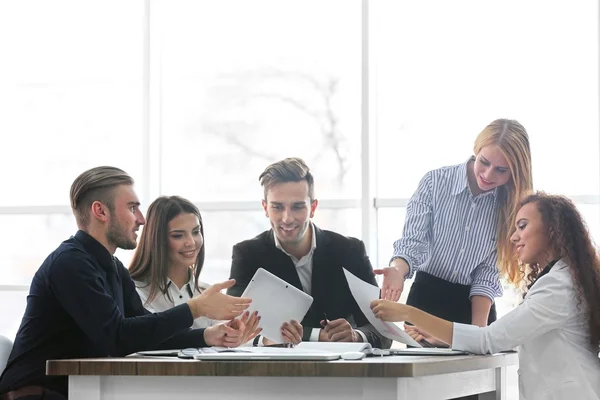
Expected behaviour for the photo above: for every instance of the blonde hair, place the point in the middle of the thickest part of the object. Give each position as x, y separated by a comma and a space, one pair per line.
512, 140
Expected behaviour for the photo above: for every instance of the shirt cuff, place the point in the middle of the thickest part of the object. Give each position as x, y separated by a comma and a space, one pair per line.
409, 261
362, 335
468, 338
314, 335
486, 291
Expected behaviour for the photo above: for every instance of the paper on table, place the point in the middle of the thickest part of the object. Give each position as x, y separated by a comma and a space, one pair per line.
364, 293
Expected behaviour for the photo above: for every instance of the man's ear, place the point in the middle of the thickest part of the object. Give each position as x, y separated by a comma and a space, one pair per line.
99, 211
264, 204
313, 207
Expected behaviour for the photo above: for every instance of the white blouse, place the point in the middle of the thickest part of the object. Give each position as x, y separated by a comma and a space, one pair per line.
556, 360
178, 296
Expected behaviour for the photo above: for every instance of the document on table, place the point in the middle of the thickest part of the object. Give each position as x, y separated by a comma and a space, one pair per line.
364, 293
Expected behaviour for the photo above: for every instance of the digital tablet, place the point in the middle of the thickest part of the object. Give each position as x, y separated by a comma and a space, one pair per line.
276, 302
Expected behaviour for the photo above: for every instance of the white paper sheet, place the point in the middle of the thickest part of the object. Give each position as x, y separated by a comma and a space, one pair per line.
364, 293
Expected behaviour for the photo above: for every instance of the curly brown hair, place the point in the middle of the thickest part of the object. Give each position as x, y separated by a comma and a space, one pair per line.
570, 239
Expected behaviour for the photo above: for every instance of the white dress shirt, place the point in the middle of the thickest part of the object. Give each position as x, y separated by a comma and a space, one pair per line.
556, 360
178, 296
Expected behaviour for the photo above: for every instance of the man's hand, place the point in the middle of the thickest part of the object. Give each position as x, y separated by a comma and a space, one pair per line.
221, 335
248, 324
292, 332
216, 305
340, 330
234, 332
393, 279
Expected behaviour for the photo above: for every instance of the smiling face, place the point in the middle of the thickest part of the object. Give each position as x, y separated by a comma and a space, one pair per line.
289, 209
185, 240
491, 168
531, 238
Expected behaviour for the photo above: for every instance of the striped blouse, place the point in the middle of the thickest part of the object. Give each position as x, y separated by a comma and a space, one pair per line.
451, 234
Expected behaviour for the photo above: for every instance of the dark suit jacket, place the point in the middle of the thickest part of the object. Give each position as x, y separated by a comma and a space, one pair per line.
330, 289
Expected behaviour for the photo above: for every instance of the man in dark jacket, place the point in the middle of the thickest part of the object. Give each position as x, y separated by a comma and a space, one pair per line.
307, 257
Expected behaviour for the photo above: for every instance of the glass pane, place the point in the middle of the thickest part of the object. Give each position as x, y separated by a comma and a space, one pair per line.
278, 82
70, 94
440, 77
26, 251
12, 308
225, 229
22, 258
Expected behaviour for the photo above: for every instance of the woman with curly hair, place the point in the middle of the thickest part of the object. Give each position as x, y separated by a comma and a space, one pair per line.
557, 327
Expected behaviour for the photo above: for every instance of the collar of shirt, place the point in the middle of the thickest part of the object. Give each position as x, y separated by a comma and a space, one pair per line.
313, 245
461, 182
545, 271
97, 250
189, 286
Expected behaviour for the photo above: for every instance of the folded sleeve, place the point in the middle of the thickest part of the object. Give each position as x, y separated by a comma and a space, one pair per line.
485, 279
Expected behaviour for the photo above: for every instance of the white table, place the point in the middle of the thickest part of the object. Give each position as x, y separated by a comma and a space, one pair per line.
381, 378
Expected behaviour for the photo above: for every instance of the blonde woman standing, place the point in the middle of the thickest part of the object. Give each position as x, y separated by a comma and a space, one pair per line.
457, 230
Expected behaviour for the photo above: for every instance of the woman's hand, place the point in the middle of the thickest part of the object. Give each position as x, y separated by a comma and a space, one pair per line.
387, 310
393, 279
419, 334
393, 282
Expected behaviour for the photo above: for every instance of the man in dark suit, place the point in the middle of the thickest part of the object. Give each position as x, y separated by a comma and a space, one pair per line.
307, 257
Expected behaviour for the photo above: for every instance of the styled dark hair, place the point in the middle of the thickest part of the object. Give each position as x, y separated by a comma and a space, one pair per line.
287, 170
150, 262
570, 239
96, 184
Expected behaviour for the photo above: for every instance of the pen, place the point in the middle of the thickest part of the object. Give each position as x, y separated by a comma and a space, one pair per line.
324, 324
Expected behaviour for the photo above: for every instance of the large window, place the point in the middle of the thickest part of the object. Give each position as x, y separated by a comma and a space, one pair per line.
442, 70
246, 83
195, 98
70, 98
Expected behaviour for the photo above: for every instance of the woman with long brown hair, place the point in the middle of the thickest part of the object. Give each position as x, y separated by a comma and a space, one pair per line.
557, 327
167, 263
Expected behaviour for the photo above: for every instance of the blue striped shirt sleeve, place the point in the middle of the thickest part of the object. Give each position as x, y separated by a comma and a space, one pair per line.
413, 246
486, 279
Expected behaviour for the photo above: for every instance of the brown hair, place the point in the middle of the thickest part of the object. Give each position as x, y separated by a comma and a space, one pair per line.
570, 239
512, 140
287, 170
96, 184
150, 262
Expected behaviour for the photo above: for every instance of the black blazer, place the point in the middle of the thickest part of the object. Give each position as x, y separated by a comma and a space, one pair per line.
330, 289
